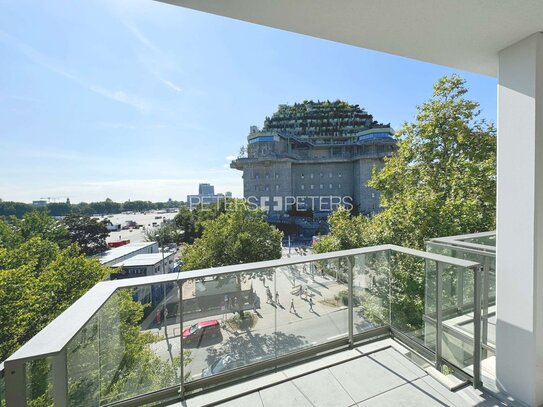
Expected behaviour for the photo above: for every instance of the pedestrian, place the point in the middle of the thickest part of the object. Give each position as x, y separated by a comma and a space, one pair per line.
226, 300
292, 309
277, 298
311, 304
269, 299
254, 304
300, 291
158, 316
306, 294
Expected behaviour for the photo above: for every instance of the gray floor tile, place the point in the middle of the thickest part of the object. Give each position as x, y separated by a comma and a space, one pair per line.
408, 395
285, 394
399, 364
251, 400
364, 378
323, 390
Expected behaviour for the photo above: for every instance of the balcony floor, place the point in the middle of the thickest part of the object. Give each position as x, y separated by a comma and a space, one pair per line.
378, 374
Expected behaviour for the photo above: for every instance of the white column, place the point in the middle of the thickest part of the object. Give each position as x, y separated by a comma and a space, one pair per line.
519, 332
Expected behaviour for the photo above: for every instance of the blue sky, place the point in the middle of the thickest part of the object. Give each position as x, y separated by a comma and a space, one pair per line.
136, 99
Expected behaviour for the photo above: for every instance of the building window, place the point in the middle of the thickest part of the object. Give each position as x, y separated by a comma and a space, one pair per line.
276, 176
330, 175
311, 186
267, 188
267, 175
302, 176
302, 187
256, 176
277, 187
321, 186
330, 186
311, 175
256, 187
321, 175
339, 175
339, 185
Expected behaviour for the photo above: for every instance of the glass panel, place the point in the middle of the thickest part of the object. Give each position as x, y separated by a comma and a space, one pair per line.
39, 382
127, 348
371, 286
484, 240
315, 309
228, 322
457, 310
408, 295
82, 358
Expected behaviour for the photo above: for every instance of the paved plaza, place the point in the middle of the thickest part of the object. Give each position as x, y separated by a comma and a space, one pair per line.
306, 312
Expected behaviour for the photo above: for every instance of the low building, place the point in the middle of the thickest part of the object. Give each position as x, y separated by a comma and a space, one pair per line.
119, 254
147, 264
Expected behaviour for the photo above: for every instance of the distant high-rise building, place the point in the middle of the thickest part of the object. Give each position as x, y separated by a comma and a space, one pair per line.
206, 190
315, 155
206, 195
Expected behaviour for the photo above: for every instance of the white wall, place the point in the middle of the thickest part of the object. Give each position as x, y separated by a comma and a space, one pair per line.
519, 332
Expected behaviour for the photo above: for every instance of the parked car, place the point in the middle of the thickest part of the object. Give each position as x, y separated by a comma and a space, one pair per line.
223, 364
202, 330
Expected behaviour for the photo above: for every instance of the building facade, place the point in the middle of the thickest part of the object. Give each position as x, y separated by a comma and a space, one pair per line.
315, 155
206, 195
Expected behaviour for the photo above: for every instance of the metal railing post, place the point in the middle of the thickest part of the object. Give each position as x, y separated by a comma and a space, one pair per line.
60, 379
477, 272
439, 315
460, 289
14, 375
181, 355
350, 263
486, 299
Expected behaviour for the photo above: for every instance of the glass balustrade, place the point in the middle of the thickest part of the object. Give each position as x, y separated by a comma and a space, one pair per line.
150, 338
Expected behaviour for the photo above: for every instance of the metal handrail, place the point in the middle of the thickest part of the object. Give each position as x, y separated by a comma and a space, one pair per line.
54, 338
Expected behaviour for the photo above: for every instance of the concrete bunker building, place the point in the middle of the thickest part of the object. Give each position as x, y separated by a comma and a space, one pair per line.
320, 153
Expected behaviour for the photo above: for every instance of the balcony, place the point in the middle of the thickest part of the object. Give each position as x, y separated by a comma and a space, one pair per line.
201, 333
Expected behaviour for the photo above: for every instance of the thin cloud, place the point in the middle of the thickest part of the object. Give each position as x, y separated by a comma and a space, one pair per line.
51, 64
172, 85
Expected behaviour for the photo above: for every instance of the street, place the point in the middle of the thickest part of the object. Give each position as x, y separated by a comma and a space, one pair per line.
285, 324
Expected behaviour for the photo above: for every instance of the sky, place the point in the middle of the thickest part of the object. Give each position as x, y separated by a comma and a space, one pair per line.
136, 99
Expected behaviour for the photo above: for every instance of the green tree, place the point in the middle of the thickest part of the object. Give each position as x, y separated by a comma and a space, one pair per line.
240, 235
190, 221
89, 233
165, 234
33, 224
38, 281
441, 181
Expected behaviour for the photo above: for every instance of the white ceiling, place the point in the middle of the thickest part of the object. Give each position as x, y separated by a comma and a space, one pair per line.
464, 34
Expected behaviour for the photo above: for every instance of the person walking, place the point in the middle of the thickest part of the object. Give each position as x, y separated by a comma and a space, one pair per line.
292, 309
277, 298
269, 299
255, 303
311, 304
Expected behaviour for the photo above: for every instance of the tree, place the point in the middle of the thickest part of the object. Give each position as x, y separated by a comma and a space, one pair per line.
33, 224
441, 182
164, 234
240, 235
38, 281
190, 221
89, 233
